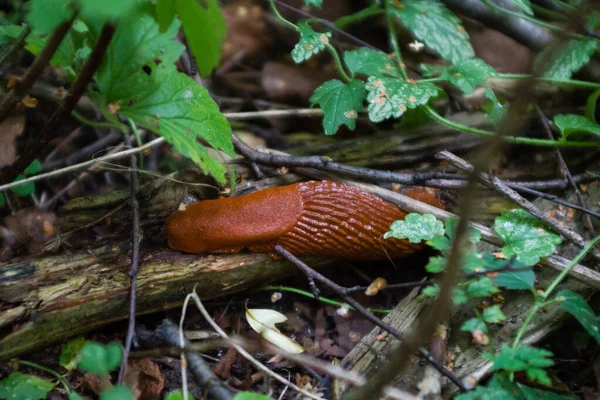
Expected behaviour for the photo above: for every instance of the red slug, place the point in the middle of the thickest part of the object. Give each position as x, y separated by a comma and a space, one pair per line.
309, 218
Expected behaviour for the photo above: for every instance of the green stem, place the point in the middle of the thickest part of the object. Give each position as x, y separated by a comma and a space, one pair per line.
338, 63
58, 376
564, 82
394, 40
321, 298
95, 124
542, 301
511, 139
280, 17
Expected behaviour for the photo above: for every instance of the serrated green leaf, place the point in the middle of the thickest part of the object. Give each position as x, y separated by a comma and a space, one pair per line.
120, 392
524, 5
525, 236
468, 74
440, 243
111, 9
74, 396
389, 97
250, 396
538, 375
523, 358
340, 102
530, 393
45, 15
436, 26
165, 12
519, 280
576, 305
473, 324
459, 296
562, 59
473, 262
99, 359
205, 30
572, 123
33, 168
481, 287
137, 43
178, 395
493, 315
315, 3
498, 388
25, 189
370, 62
182, 112
473, 235
432, 290
69, 352
436, 265
416, 228
495, 110
24, 387
310, 42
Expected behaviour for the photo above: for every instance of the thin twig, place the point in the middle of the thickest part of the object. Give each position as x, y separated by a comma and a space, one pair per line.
135, 252
35, 70
496, 184
15, 44
50, 130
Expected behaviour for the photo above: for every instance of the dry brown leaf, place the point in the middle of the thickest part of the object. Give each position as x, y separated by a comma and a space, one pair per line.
145, 379
10, 128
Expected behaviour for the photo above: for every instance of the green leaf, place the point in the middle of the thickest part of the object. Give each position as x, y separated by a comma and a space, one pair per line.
436, 26
576, 305
111, 9
25, 189
2, 200
481, 287
24, 387
459, 296
370, 62
340, 102
440, 243
572, 123
495, 110
473, 235
69, 352
468, 74
137, 42
204, 28
516, 280
436, 265
178, 395
347, 20
498, 388
310, 43
590, 107
473, 324
523, 358
524, 5
45, 15
99, 359
33, 168
390, 97
416, 228
432, 290
182, 111
250, 396
117, 393
165, 12
525, 236
473, 262
530, 393
74, 396
315, 3
562, 59
493, 315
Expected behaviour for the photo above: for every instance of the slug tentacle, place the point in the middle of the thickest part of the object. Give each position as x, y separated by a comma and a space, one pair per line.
309, 218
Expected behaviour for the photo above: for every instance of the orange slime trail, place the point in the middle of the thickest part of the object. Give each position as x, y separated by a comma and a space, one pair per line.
322, 218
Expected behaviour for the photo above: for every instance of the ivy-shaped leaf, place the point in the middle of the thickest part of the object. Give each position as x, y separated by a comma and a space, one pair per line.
310, 43
370, 62
481, 287
576, 305
182, 111
562, 59
572, 123
473, 324
435, 264
436, 26
99, 359
69, 352
390, 97
23, 386
493, 315
340, 102
459, 295
525, 236
416, 228
523, 358
468, 74
205, 30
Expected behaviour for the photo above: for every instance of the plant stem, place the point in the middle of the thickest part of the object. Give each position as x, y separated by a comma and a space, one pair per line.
280, 17
321, 298
541, 301
510, 139
94, 124
338, 63
55, 374
565, 82
394, 40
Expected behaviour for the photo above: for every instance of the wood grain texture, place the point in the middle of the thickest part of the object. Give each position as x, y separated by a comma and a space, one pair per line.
317, 218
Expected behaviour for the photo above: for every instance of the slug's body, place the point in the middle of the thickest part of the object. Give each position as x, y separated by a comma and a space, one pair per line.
310, 218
